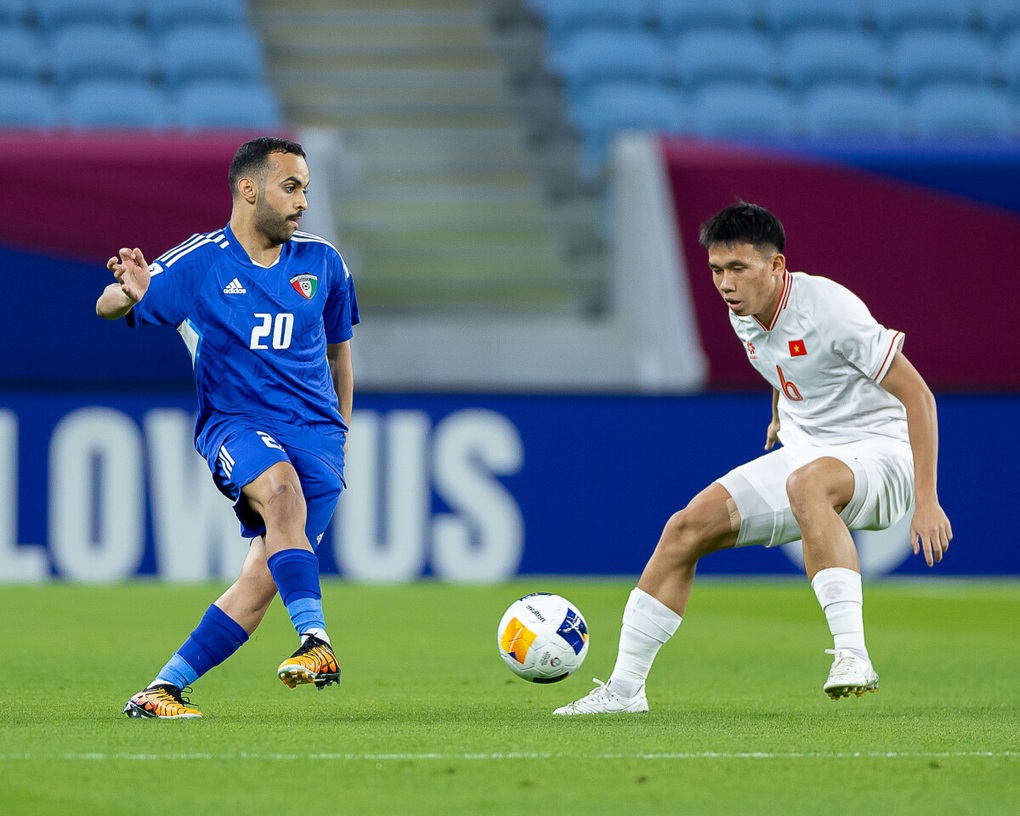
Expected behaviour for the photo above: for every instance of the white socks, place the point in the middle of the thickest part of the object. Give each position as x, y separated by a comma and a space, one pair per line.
647, 624
319, 633
839, 592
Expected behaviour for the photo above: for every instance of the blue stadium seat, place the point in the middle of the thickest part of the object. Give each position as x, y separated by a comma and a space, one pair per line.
196, 52
598, 54
224, 105
563, 17
119, 104
620, 106
837, 111
51, 14
20, 54
93, 51
922, 58
737, 111
14, 12
851, 58
707, 57
679, 16
892, 17
1011, 63
28, 104
164, 14
786, 16
999, 18
963, 112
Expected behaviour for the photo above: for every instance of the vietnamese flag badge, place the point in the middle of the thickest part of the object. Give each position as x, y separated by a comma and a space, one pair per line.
797, 348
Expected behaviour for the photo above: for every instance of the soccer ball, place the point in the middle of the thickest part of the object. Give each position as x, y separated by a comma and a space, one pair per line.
543, 638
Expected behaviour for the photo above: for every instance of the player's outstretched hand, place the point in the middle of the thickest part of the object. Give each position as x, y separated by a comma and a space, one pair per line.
131, 271
930, 531
772, 435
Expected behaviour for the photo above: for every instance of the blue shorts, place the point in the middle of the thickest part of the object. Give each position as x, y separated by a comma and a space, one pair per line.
238, 451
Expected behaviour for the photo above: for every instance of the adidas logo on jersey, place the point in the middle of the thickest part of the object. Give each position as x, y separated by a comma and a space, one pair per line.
234, 288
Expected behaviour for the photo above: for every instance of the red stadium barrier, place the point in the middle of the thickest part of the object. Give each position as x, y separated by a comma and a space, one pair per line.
938, 266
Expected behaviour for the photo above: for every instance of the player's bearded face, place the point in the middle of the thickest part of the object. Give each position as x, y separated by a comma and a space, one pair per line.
749, 279
273, 224
282, 201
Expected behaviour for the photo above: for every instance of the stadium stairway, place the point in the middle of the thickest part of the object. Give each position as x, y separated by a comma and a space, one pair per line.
440, 203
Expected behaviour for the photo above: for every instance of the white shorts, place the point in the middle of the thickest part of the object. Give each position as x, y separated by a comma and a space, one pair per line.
883, 488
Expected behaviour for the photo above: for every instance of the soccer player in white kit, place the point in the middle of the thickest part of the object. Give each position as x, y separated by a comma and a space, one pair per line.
859, 440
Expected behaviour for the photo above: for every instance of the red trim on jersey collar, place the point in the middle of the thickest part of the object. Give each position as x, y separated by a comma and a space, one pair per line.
784, 297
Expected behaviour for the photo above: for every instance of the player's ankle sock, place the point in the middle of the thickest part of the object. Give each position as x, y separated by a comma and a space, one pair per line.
216, 638
296, 573
841, 597
647, 624
319, 633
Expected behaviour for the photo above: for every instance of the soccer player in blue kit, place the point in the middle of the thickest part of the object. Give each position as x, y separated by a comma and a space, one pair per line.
267, 313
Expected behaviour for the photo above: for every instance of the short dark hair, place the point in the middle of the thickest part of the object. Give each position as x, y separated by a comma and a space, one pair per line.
743, 223
253, 157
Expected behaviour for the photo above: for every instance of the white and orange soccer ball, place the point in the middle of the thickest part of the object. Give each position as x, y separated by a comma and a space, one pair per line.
543, 638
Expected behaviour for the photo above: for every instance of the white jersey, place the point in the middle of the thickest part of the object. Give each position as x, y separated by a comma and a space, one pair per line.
825, 354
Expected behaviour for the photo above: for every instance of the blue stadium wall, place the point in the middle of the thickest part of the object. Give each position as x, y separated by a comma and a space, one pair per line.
463, 487
99, 482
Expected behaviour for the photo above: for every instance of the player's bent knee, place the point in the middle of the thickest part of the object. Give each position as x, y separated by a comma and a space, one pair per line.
683, 538
284, 506
816, 485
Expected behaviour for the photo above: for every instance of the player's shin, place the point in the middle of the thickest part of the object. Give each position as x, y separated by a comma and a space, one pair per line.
216, 638
647, 625
841, 597
296, 573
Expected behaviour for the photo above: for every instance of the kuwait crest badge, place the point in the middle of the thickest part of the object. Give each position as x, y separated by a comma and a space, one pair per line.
305, 285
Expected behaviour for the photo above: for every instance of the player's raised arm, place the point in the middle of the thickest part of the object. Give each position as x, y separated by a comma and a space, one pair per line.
131, 270
930, 529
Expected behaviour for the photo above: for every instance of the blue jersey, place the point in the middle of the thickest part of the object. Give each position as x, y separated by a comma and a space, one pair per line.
257, 335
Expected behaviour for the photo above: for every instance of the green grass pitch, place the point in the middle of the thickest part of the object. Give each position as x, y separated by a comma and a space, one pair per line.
429, 721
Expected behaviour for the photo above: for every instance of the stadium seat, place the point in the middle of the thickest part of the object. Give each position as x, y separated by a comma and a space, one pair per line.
224, 105
851, 58
165, 14
680, 16
1011, 64
599, 54
784, 17
892, 17
922, 58
210, 52
51, 14
999, 18
564, 17
737, 111
119, 104
20, 54
838, 111
619, 106
93, 51
963, 112
707, 57
28, 104
14, 12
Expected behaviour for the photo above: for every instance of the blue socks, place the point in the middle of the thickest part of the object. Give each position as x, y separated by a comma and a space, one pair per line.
296, 573
216, 638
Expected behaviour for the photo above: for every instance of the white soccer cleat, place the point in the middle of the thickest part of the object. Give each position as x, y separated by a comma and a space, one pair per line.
603, 700
850, 674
